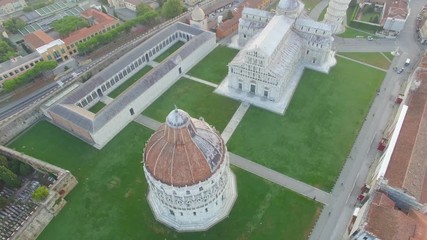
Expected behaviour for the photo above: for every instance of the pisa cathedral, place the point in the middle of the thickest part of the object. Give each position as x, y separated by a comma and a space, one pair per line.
276, 49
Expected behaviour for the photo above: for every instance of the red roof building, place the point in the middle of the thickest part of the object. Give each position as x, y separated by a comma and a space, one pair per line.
37, 39
100, 23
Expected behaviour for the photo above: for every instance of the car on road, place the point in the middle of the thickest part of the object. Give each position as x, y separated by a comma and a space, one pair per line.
400, 70
370, 38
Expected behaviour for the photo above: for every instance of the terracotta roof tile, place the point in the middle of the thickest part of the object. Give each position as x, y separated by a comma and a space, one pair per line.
388, 223
37, 39
101, 20
408, 164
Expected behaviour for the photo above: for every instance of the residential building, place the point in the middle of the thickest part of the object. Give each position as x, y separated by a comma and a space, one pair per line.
99, 23
17, 66
48, 48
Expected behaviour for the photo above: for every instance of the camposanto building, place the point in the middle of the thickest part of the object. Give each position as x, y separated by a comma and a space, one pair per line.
277, 48
186, 164
71, 112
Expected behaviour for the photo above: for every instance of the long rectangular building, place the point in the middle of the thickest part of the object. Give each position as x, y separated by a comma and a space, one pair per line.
71, 113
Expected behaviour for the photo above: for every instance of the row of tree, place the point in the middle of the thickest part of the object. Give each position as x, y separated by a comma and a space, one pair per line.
148, 17
68, 24
7, 50
12, 25
10, 170
33, 5
29, 75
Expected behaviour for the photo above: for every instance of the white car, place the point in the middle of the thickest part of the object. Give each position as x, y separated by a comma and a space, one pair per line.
370, 38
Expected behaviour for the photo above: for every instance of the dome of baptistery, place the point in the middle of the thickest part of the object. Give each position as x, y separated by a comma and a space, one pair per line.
197, 14
191, 186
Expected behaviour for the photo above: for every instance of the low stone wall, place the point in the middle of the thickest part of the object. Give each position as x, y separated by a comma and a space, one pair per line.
9, 128
53, 204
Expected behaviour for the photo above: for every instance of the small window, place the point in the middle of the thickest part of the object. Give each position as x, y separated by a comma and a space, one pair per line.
187, 192
194, 213
206, 209
200, 188
171, 212
132, 112
179, 70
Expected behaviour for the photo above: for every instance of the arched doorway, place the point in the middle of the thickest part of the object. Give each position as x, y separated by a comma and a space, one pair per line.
99, 91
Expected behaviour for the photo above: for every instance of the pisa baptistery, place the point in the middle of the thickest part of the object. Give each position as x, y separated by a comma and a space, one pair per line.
186, 164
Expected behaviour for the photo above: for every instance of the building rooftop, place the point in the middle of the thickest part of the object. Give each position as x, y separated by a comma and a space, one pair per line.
4, 2
270, 37
184, 151
100, 21
92, 123
18, 61
44, 48
408, 164
37, 39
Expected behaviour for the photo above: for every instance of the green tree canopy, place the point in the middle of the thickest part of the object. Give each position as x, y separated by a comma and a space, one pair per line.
3, 161
6, 51
172, 8
13, 24
68, 24
9, 178
142, 8
29, 75
40, 193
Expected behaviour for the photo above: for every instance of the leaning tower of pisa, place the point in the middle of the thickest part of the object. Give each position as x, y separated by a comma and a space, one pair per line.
336, 13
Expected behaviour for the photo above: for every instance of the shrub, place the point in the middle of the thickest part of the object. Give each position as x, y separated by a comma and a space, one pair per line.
40, 193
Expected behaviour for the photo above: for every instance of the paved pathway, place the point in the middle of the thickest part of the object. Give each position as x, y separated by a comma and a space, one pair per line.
259, 170
106, 99
201, 81
153, 64
363, 63
147, 122
281, 179
234, 121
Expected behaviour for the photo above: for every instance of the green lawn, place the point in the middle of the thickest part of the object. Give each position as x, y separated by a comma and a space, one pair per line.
110, 200
314, 137
116, 92
389, 55
198, 100
97, 107
213, 67
310, 4
353, 33
376, 59
169, 51
367, 17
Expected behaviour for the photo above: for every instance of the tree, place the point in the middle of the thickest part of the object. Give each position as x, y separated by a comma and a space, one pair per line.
25, 169
142, 8
376, 19
3, 161
172, 8
40, 193
229, 14
14, 24
68, 24
9, 178
29, 75
6, 51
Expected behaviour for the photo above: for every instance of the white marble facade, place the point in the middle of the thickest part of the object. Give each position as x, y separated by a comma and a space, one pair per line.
277, 47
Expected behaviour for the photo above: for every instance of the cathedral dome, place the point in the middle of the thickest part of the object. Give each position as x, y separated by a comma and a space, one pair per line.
184, 151
197, 14
287, 5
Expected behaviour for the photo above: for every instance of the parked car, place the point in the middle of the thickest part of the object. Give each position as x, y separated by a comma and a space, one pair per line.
370, 38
